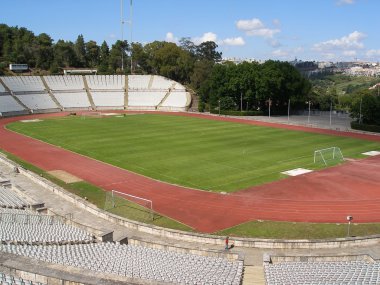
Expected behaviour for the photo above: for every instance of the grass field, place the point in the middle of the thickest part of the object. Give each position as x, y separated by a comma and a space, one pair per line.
198, 153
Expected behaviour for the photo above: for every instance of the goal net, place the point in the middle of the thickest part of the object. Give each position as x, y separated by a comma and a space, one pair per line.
130, 206
326, 155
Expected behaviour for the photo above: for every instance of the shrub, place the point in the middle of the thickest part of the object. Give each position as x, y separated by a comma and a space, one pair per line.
238, 113
365, 127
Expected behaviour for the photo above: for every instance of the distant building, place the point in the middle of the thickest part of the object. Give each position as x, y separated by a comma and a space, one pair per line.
90, 71
18, 67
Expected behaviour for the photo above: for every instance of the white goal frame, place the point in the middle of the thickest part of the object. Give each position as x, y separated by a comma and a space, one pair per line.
150, 202
336, 153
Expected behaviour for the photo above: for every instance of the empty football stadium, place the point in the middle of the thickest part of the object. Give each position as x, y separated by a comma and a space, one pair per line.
117, 120
158, 161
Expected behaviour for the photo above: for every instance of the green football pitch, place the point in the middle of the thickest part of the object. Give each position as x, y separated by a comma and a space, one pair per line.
193, 152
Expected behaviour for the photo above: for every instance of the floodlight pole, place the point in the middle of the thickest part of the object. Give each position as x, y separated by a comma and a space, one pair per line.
130, 25
122, 33
308, 116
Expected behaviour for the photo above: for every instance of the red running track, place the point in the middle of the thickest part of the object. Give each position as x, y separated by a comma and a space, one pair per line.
324, 196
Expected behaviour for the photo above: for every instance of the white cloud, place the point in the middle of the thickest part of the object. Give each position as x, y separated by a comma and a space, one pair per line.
349, 53
350, 42
274, 43
276, 22
170, 37
210, 36
373, 53
329, 56
239, 41
345, 2
206, 37
255, 27
280, 53
288, 53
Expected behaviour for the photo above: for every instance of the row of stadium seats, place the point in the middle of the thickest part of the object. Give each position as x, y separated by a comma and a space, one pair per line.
6, 279
332, 273
137, 262
9, 199
107, 91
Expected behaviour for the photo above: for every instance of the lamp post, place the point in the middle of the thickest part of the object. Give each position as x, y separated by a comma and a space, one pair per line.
219, 106
288, 110
269, 106
241, 101
308, 115
349, 219
330, 111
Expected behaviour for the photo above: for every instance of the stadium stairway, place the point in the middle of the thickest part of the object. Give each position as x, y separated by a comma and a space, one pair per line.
13, 95
51, 94
90, 99
166, 95
126, 93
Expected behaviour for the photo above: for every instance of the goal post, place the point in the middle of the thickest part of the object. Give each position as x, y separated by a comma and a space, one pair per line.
116, 199
328, 154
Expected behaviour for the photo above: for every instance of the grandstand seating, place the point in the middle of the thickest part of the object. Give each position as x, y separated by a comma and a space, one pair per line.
108, 99
6, 279
145, 92
2, 88
23, 83
9, 199
59, 82
136, 261
105, 82
177, 100
145, 99
328, 272
161, 83
38, 101
9, 104
72, 99
138, 82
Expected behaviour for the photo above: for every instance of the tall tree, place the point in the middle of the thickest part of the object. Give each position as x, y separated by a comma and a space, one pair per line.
104, 54
207, 51
92, 53
80, 51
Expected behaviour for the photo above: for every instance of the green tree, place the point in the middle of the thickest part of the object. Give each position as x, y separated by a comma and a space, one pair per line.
207, 51
92, 54
80, 51
104, 54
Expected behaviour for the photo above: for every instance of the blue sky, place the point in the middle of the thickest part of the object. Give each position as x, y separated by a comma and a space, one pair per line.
331, 30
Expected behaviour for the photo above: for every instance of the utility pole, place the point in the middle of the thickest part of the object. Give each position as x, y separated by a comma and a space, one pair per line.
122, 33
130, 26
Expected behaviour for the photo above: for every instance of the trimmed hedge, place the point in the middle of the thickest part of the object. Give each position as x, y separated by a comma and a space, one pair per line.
365, 127
238, 113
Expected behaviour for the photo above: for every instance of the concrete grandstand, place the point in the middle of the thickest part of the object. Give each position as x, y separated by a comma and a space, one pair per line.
41, 94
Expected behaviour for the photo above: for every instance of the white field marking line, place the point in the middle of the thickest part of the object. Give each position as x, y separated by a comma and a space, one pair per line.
31, 121
296, 171
372, 153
